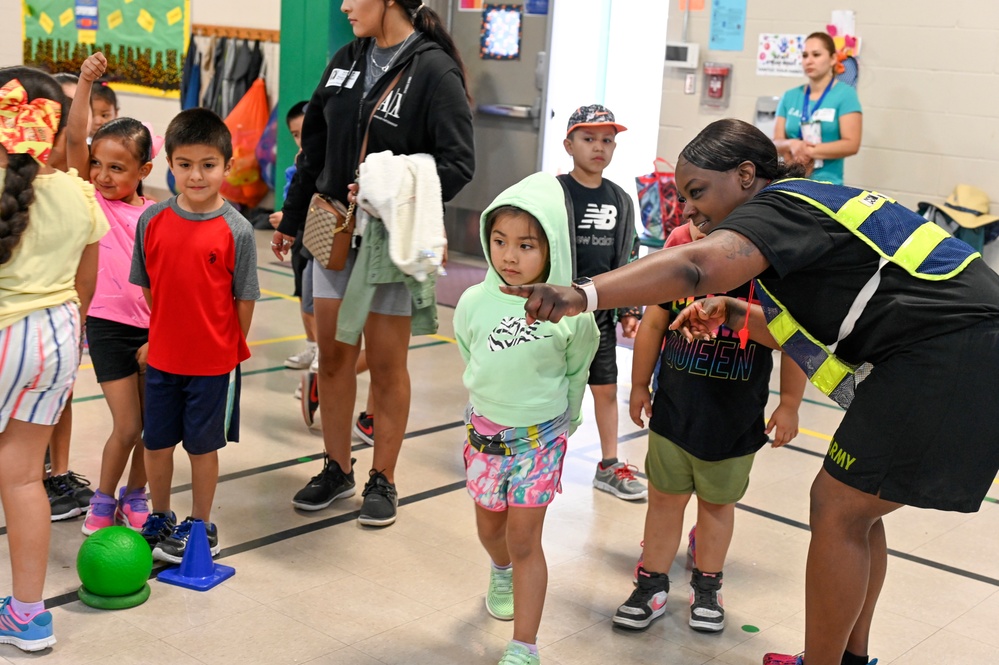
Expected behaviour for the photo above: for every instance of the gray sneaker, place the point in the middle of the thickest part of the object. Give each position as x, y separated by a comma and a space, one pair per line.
619, 479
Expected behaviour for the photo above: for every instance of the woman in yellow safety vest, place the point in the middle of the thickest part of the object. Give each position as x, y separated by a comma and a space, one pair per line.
854, 287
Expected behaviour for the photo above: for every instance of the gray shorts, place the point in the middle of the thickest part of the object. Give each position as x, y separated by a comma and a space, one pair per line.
390, 299
308, 306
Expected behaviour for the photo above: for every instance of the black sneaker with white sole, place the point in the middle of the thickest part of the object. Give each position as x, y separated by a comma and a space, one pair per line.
646, 603
326, 487
706, 611
380, 501
63, 504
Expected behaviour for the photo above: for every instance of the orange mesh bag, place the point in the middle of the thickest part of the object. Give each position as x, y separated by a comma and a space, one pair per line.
246, 123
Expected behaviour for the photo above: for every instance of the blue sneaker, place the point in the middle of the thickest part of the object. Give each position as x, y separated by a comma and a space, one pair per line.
158, 526
34, 635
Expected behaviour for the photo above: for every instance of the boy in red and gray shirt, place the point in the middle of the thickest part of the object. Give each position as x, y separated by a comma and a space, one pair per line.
195, 259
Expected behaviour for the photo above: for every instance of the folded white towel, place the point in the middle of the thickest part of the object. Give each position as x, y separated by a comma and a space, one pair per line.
404, 191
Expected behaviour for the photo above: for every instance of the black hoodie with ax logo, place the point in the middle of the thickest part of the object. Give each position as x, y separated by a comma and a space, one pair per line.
426, 112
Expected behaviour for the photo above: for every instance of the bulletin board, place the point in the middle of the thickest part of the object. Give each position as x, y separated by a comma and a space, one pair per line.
502, 29
143, 40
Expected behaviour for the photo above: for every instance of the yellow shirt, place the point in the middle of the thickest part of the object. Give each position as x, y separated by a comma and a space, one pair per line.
63, 219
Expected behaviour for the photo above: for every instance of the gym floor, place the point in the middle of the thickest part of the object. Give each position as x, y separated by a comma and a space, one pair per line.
318, 588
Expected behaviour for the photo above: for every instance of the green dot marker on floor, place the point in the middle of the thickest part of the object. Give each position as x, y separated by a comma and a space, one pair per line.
750, 629
305, 459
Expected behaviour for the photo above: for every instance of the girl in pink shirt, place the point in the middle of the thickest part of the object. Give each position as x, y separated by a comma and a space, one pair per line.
119, 158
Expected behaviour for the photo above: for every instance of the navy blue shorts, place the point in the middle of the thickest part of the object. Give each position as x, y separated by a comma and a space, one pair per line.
201, 411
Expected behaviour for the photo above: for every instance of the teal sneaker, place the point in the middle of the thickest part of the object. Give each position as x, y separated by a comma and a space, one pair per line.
33, 635
499, 598
518, 654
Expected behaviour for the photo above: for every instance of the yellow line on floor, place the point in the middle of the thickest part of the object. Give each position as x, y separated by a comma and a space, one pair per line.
817, 435
276, 340
443, 338
283, 296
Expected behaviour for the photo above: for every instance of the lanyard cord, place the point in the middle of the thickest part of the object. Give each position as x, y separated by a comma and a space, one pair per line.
744, 331
805, 115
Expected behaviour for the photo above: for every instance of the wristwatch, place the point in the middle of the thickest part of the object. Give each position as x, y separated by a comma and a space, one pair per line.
586, 286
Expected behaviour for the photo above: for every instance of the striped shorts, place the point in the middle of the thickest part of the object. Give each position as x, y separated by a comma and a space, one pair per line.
39, 358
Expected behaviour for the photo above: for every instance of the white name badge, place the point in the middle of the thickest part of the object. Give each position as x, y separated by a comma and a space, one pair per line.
338, 76
824, 115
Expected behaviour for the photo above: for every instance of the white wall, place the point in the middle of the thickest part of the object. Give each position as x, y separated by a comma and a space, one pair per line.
264, 14
929, 86
579, 73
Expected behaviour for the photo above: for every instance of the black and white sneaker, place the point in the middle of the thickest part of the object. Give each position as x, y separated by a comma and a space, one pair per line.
380, 501
62, 503
326, 487
171, 549
646, 603
706, 611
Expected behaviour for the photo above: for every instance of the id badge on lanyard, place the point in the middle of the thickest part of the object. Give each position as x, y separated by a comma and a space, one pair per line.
811, 133
811, 128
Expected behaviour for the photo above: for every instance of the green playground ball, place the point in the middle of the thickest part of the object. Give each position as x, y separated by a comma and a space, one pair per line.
114, 561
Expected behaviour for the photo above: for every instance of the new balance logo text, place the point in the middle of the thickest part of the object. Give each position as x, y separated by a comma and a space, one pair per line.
602, 217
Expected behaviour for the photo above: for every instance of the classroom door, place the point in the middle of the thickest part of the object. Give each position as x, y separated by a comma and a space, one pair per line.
506, 98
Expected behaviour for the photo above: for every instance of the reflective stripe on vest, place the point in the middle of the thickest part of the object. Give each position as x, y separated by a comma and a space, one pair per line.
920, 247
824, 370
898, 235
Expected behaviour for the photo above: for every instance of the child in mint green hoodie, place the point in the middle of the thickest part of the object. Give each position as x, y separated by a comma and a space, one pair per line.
525, 384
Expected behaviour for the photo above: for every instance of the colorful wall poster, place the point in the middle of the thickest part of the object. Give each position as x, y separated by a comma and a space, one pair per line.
144, 42
728, 25
501, 32
470, 5
780, 55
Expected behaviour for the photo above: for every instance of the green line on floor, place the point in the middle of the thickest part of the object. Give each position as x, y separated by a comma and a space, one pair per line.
991, 500
304, 460
264, 371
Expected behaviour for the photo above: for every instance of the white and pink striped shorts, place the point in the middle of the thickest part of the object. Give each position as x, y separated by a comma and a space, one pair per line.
39, 358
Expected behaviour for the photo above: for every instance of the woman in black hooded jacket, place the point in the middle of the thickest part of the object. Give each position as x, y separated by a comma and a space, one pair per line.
427, 111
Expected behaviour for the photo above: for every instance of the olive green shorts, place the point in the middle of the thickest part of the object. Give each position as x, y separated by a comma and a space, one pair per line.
672, 470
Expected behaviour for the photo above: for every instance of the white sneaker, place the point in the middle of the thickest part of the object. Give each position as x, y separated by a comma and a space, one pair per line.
298, 390
314, 365
302, 359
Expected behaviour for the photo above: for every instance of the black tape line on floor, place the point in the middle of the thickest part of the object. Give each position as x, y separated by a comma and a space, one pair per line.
263, 541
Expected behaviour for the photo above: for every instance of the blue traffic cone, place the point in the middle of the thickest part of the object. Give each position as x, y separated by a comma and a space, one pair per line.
197, 570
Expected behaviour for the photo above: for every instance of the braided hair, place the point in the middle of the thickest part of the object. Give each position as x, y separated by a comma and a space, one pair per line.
18, 192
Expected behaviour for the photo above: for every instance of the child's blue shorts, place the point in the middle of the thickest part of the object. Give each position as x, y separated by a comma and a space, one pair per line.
201, 411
